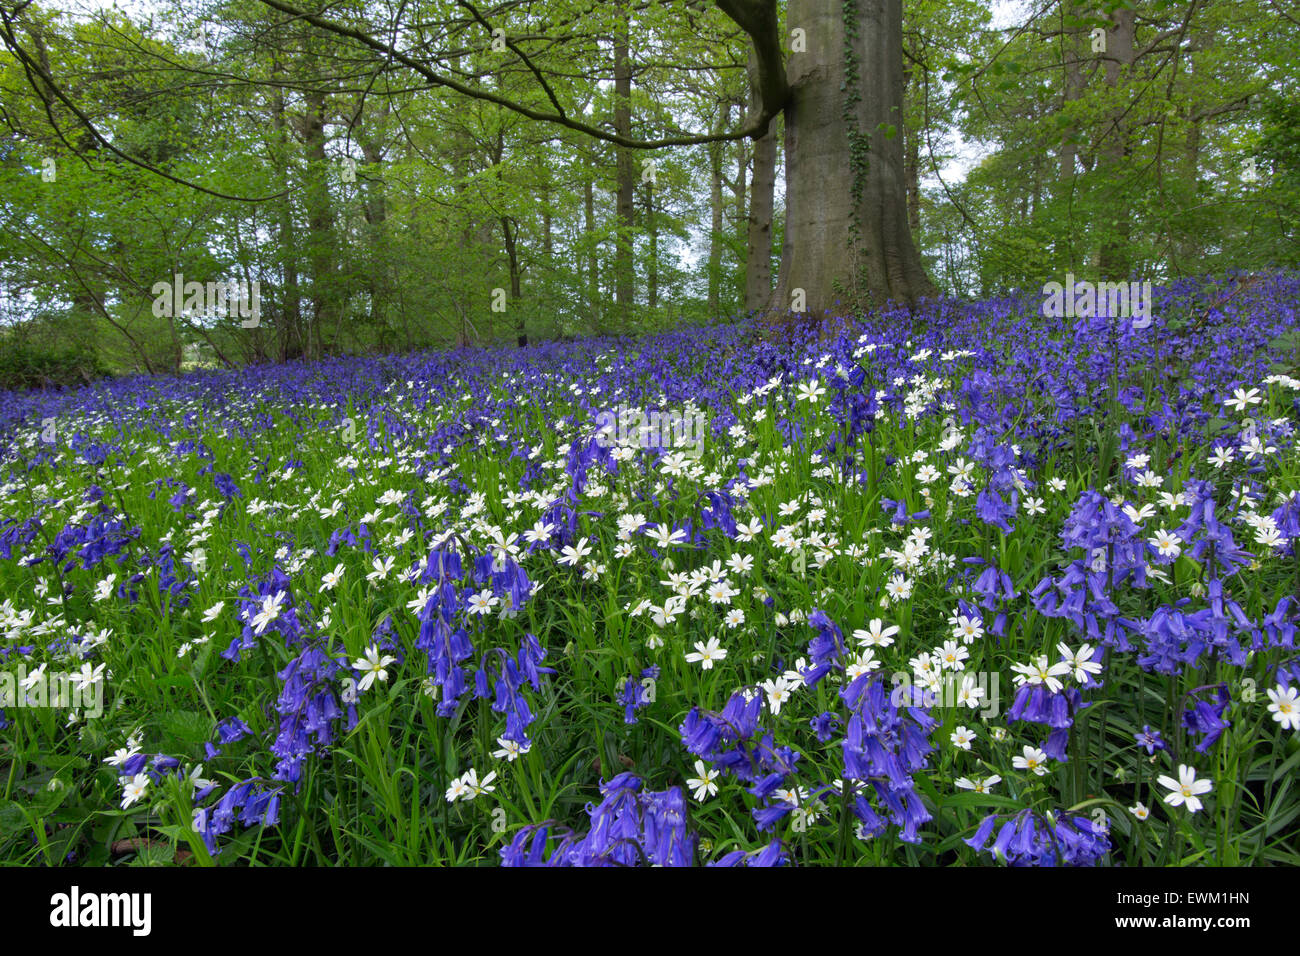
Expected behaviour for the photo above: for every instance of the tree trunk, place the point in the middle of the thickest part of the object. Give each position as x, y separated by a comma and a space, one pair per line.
589, 225
376, 212
291, 301
1074, 83
320, 221
624, 279
652, 271
715, 225
1115, 260
758, 265
739, 194
847, 242
1189, 244
547, 244
762, 189
912, 164
1036, 187
509, 234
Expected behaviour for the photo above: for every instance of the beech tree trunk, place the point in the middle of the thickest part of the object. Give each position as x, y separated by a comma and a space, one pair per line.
847, 244
1074, 84
1189, 244
378, 282
762, 190
652, 269
912, 162
624, 275
320, 224
1114, 261
593, 273
509, 233
290, 319
715, 223
758, 265
740, 196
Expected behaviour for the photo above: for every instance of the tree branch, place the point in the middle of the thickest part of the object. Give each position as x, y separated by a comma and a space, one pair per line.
31, 67
435, 78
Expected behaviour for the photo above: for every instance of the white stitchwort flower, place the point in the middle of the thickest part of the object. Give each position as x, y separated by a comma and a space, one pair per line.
134, 789
1033, 759
702, 786
706, 653
372, 667
1285, 706
1186, 789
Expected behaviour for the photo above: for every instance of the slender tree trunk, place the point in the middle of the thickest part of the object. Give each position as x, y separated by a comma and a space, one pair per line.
377, 281
1115, 260
376, 212
548, 249
912, 163
1073, 85
1187, 246
652, 271
758, 266
593, 275
624, 275
321, 244
762, 190
286, 246
509, 233
1036, 186
847, 242
715, 226
739, 195
462, 166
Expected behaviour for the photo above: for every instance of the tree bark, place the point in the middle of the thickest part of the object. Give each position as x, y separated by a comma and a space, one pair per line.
762, 190
624, 276
652, 270
758, 265
320, 222
740, 193
912, 163
1115, 261
589, 225
291, 301
509, 234
715, 223
847, 244
1073, 85
378, 283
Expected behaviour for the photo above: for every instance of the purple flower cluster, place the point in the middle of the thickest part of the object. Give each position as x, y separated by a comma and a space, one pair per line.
1028, 838
628, 828
733, 742
885, 744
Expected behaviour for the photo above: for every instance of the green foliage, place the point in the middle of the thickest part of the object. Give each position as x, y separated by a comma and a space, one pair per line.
1091, 163
23, 365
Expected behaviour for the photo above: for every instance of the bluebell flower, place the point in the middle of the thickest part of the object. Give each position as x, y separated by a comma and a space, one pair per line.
1206, 718
1028, 838
1150, 739
232, 729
